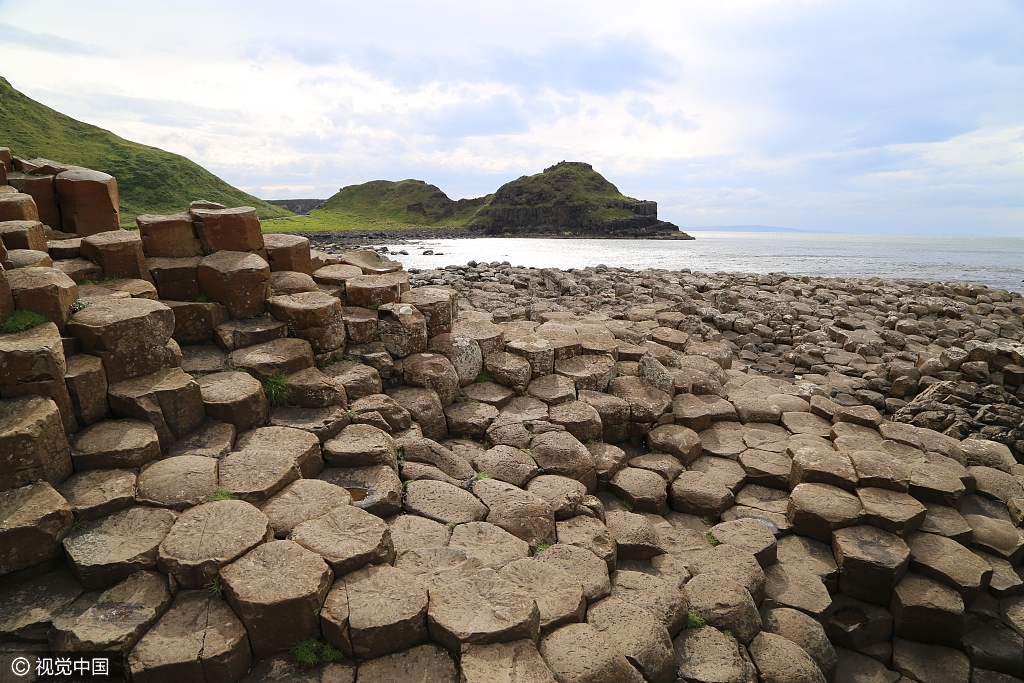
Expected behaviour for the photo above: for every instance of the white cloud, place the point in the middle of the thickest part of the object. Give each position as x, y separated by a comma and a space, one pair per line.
837, 115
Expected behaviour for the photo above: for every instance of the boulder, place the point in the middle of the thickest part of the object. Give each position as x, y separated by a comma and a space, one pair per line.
707, 655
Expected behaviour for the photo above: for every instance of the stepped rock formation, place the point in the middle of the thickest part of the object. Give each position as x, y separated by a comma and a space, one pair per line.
490, 473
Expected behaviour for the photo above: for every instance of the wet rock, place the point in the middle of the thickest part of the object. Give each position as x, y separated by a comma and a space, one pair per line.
375, 489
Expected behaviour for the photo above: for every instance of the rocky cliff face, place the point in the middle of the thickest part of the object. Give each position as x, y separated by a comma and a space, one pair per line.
570, 199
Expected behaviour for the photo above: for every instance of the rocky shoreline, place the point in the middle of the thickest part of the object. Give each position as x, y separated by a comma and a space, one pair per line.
229, 456
373, 238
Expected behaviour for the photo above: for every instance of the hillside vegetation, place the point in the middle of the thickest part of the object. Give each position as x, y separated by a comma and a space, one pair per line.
569, 198
385, 205
149, 180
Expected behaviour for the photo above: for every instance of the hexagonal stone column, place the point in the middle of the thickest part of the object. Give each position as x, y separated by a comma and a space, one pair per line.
130, 336
403, 329
168, 236
236, 279
288, 252
138, 602
236, 398
577, 653
87, 387
421, 664
115, 443
313, 316
236, 229
97, 493
118, 253
871, 562
198, 639
88, 201
111, 549
347, 538
17, 206
46, 291
23, 235
32, 442
280, 355
301, 501
35, 519
209, 536
168, 399
387, 610
481, 607
178, 483
277, 591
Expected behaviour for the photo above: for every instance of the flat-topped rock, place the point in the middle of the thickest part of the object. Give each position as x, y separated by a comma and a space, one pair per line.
115, 444
301, 501
490, 544
235, 229
111, 549
129, 335
97, 493
347, 538
480, 608
707, 655
578, 653
724, 604
198, 638
387, 610
29, 608
178, 483
138, 602
422, 664
264, 360
374, 488
119, 253
237, 334
235, 398
169, 399
33, 520
277, 590
33, 442
209, 536
88, 200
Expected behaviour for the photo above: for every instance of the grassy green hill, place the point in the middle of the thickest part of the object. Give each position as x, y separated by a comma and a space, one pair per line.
149, 180
384, 205
569, 194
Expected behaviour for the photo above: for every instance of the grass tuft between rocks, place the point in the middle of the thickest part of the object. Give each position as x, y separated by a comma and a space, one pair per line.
78, 306
215, 586
484, 376
541, 547
276, 389
626, 504
222, 493
19, 321
711, 539
310, 652
694, 620
483, 475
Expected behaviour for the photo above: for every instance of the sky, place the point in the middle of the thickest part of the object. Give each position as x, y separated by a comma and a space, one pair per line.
864, 116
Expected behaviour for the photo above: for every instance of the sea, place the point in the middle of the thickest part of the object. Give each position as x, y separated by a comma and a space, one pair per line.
993, 261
